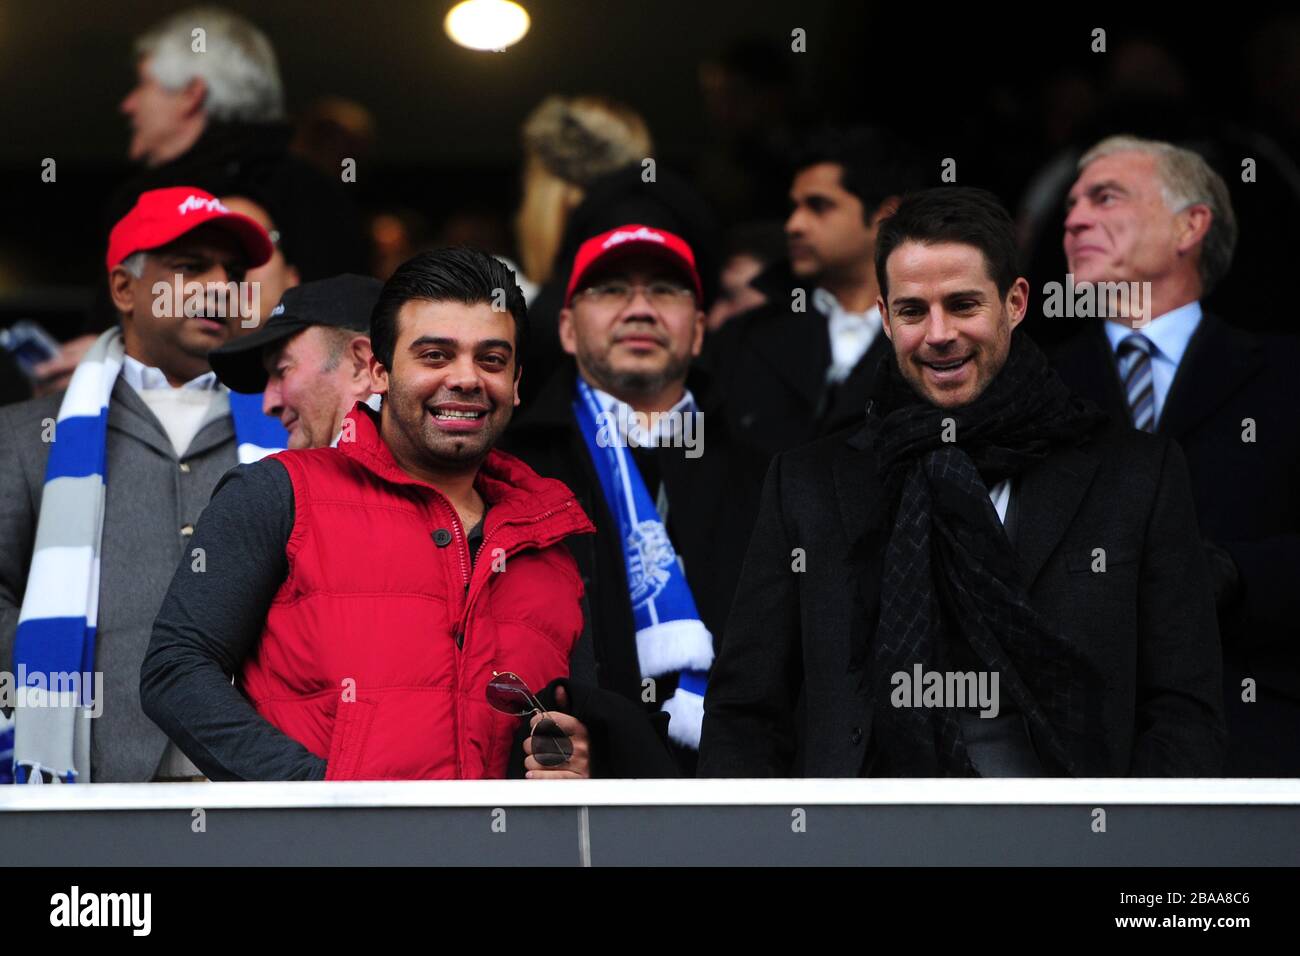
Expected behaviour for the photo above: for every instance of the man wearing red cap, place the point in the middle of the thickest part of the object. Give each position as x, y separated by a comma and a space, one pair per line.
627, 433
101, 486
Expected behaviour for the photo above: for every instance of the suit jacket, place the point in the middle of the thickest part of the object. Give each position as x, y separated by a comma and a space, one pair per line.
1247, 498
784, 698
153, 502
771, 364
712, 503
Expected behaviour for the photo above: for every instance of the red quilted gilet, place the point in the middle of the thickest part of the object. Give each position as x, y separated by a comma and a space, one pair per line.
359, 660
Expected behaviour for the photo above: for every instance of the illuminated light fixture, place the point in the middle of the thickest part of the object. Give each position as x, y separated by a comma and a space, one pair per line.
486, 24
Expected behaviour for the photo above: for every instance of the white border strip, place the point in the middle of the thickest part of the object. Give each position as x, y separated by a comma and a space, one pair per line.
613, 793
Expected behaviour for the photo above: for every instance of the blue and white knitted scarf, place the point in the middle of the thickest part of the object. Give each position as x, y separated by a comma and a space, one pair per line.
670, 637
54, 647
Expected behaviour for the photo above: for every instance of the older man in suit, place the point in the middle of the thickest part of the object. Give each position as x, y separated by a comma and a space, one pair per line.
1151, 212
101, 486
988, 578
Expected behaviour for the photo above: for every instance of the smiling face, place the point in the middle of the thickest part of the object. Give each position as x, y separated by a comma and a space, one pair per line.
1118, 227
453, 385
638, 347
313, 380
950, 329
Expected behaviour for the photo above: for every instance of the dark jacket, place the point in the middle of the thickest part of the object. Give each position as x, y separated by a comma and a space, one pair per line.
771, 364
713, 500
1247, 498
784, 699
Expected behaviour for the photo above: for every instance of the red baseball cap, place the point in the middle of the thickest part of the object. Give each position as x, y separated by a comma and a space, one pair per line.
160, 216
633, 238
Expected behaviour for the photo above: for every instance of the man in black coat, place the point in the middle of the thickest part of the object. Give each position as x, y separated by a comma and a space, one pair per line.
633, 322
987, 578
1226, 396
802, 364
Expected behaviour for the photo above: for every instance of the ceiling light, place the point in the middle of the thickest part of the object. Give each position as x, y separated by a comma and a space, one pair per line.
486, 24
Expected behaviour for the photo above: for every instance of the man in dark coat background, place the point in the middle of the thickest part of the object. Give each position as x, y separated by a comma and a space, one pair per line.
1150, 212
985, 530
802, 364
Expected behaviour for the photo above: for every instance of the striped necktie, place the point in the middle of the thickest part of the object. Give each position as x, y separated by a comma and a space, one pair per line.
1139, 386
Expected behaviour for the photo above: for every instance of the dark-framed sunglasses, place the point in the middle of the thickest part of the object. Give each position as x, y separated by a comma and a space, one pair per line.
508, 694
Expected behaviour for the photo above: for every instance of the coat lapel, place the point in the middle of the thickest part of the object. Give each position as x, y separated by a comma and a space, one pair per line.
856, 482
1049, 495
1088, 366
129, 414
1217, 363
849, 404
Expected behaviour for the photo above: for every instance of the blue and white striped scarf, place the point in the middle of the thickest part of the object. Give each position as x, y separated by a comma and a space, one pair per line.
54, 647
670, 637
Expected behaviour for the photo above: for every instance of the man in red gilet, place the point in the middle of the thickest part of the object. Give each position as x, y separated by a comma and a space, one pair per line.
364, 595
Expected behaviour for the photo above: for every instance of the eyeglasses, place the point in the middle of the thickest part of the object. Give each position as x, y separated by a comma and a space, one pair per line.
508, 694
662, 294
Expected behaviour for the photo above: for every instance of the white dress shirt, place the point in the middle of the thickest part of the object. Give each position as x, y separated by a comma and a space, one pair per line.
1000, 495
851, 333
632, 432
180, 409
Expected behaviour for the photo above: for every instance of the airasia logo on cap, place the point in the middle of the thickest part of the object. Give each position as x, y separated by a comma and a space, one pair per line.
194, 203
625, 236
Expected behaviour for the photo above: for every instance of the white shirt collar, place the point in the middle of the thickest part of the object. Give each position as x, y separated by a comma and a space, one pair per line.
824, 301
629, 427
851, 333
143, 377
1169, 333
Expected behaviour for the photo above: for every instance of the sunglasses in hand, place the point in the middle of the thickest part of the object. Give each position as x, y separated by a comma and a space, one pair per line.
508, 694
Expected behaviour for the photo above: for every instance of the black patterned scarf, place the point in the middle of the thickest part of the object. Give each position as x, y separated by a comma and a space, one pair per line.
949, 571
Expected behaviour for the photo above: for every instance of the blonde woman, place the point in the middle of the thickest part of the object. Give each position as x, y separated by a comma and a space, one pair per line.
568, 143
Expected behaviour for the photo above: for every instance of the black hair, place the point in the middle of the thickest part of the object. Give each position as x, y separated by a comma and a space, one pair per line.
875, 164
453, 274
973, 217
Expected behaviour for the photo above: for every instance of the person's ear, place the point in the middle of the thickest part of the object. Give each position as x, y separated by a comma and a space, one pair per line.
697, 342
883, 211
378, 375
359, 354
193, 95
884, 318
1192, 226
568, 338
519, 375
121, 288
1017, 302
